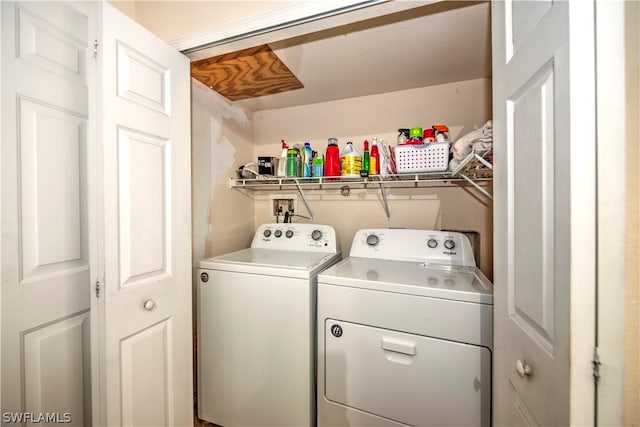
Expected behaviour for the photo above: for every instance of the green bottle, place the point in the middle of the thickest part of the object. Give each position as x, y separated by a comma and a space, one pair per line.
292, 161
318, 166
365, 160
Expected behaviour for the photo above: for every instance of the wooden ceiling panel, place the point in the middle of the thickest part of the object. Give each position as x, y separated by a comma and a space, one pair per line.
245, 74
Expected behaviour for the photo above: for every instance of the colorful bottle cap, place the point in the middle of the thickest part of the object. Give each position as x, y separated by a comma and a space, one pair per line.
415, 133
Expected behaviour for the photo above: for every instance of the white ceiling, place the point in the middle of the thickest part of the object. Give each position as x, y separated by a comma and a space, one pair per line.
429, 45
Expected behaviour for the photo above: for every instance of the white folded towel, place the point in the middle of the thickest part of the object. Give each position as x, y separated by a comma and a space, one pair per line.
477, 139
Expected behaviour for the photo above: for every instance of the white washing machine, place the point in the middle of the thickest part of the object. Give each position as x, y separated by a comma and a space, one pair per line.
256, 327
405, 333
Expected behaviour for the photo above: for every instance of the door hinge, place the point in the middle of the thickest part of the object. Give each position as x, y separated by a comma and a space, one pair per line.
95, 48
595, 365
97, 289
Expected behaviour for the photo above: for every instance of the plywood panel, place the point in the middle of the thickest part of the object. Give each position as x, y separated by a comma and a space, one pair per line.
246, 74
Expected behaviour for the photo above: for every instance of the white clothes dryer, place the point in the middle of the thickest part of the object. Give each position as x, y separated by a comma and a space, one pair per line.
405, 333
256, 327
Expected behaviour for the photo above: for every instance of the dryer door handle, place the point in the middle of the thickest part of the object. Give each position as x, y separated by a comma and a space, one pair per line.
399, 346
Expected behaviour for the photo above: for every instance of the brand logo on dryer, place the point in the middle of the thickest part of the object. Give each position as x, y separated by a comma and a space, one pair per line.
336, 331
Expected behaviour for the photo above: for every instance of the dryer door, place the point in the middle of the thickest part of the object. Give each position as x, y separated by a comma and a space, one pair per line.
407, 378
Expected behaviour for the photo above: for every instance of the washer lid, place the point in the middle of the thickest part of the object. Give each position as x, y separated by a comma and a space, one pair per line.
437, 281
272, 262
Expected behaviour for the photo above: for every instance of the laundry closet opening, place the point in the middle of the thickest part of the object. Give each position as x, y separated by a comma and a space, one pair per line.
393, 66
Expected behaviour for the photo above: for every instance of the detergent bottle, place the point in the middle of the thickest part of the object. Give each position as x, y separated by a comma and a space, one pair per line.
350, 161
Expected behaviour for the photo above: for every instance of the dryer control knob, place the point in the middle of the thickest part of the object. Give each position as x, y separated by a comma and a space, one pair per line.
266, 233
372, 240
449, 244
278, 233
289, 234
316, 235
432, 243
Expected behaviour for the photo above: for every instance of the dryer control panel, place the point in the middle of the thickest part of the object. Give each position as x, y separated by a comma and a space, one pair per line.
428, 246
296, 237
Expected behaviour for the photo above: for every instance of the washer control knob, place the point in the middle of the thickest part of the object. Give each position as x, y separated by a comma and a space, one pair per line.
278, 233
372, 240
316, 235
432, 243
449, 244
266, 233
289, 234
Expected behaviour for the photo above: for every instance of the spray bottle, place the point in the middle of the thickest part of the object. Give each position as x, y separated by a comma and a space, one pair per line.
282, 163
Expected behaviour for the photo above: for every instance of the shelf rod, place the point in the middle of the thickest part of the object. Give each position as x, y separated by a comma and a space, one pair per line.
384, 201
304, 199
480, 189
483, 161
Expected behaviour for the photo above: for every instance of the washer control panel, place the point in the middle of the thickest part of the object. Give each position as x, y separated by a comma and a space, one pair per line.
291, 237
429, 246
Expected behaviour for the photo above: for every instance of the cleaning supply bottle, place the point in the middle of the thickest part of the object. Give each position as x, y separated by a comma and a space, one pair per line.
318, 165
282, 163
350, 161
403, 136
293, 162
332, 158
307, 160
374, 162
365, 160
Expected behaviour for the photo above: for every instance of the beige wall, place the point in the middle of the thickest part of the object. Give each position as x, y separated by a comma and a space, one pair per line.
462, 106
171, 19
632, 249
222, 138
126, 7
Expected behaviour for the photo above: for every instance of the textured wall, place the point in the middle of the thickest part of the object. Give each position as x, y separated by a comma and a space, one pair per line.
221, 139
